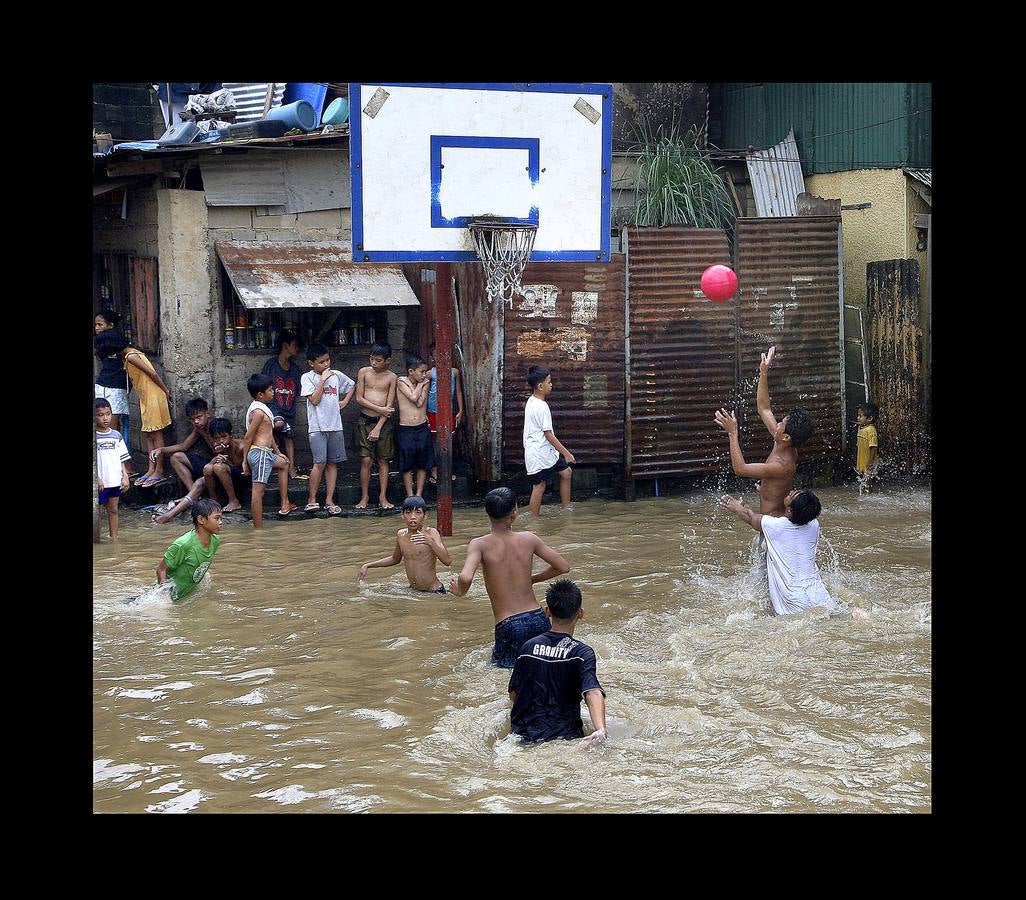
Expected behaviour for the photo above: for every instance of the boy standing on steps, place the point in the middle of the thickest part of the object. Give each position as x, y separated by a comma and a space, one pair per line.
375, 394
260, 452
327, 392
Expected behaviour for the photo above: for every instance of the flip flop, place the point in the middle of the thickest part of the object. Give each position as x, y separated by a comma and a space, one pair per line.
283, 513
298, 477
334, 510
312, 507
144, 481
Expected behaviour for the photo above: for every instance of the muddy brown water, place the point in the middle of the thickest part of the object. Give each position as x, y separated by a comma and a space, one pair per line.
282, 686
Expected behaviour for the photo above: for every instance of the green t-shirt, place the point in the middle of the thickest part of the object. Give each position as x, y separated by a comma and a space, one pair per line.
187, 562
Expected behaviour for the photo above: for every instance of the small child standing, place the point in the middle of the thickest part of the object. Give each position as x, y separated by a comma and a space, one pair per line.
413, 434
284, 371
260, 452
186, 561
327, 393
866, 462
544, 456
112, 459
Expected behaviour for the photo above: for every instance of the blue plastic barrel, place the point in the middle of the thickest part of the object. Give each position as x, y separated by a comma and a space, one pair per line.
337, 112
295, 115
309, 91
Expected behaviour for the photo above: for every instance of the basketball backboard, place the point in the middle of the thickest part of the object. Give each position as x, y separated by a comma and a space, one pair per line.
428, 158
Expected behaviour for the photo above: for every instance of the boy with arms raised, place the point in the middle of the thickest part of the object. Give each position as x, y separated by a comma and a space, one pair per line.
413, 434
544, 456
553, 672
112, 458
507, 557
375, 395
418, 547
792, 539
327, 392
260, 452
186, 561
777, 473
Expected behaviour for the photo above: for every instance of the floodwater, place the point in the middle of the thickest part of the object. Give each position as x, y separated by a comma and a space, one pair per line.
282, 686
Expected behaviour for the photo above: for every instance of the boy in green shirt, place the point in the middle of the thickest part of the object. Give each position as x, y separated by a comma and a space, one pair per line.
186, 561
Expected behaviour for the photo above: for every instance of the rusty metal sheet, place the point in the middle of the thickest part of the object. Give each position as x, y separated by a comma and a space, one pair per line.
682, 352
569, 319
278, 274
790, 297
895, 345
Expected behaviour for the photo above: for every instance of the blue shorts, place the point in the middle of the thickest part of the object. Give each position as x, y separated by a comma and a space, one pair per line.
107, 493
197, 463
261, 464
511, 633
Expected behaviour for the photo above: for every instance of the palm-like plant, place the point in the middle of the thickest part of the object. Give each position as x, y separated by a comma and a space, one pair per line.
676, 184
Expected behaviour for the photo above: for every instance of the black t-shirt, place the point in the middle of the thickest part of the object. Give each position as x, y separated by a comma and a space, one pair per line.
109, 345
286, 387
551, 675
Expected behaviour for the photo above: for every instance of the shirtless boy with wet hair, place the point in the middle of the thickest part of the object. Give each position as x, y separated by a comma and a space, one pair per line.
226, 465
777, 473
507, 557
260, 452
375, 395
418, 547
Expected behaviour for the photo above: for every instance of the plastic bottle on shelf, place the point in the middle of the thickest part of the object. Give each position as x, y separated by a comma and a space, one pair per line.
272, 335
241, 329
260, 321
370, 333
354, 332
229, 330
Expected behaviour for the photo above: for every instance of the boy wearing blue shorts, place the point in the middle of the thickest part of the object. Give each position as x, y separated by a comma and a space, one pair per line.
507, 557
112, 458
260, 454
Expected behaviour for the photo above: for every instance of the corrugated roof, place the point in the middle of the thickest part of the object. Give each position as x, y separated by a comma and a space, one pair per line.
776, 176
277, 274
251, 96
923, 175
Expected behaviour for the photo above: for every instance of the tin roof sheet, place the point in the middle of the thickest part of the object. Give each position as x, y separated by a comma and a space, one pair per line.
277, 274
776, 176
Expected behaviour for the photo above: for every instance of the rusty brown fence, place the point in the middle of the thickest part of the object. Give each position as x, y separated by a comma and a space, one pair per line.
895, 349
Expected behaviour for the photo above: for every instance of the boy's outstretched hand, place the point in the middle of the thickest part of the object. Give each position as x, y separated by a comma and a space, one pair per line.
728, 502
361, 574
727, 420
767, 358
595, 738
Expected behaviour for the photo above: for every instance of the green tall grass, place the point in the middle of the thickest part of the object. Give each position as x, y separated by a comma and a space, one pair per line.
676, 184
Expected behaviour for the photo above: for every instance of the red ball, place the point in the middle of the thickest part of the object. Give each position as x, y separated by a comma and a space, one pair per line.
719, 283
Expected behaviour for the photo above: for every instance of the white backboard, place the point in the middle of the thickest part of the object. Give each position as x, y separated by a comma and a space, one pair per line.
426, 158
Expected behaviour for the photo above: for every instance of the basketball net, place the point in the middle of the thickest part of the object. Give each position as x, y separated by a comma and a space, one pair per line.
504, 248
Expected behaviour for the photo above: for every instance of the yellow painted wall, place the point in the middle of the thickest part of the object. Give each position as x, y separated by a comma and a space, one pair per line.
884, 231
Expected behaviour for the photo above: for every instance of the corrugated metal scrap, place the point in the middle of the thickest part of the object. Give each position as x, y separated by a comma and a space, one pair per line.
776, 176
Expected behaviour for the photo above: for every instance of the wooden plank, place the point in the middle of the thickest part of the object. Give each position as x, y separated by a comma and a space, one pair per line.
317, 179
135, 167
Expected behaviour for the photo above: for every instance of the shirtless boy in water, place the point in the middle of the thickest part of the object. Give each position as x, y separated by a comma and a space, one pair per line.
375, 395
418, 547
777, 473
507, 557
260, 451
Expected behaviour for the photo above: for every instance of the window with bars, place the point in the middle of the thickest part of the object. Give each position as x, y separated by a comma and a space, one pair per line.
130, 286
244, 330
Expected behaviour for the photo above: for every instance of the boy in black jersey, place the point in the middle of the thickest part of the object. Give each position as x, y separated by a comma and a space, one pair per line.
553, 672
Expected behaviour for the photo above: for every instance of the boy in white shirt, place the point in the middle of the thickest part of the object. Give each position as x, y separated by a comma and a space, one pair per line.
327, 393
544, 456
260, 455
112, 458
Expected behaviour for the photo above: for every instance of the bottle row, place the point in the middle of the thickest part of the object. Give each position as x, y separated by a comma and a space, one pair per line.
258, 330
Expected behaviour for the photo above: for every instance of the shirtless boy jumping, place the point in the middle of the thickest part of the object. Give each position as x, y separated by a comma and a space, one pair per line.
777, 473
507, 558
375, 395
418, 547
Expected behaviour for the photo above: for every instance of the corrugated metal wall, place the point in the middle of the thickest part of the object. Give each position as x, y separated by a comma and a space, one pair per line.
571, 320
895, 348
839, 125
682, 351
789, 274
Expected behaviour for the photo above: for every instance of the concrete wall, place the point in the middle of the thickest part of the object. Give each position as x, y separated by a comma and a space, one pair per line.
878, 233
129, 111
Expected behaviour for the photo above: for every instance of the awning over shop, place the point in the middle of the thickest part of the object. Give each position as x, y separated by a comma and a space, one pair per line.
282, 274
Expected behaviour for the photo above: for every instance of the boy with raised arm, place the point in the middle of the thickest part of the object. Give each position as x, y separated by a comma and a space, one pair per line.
792, 539
375, 395
413, 434
507, 557
544, 456
260, 452
418, 547
777, 473
553, 673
